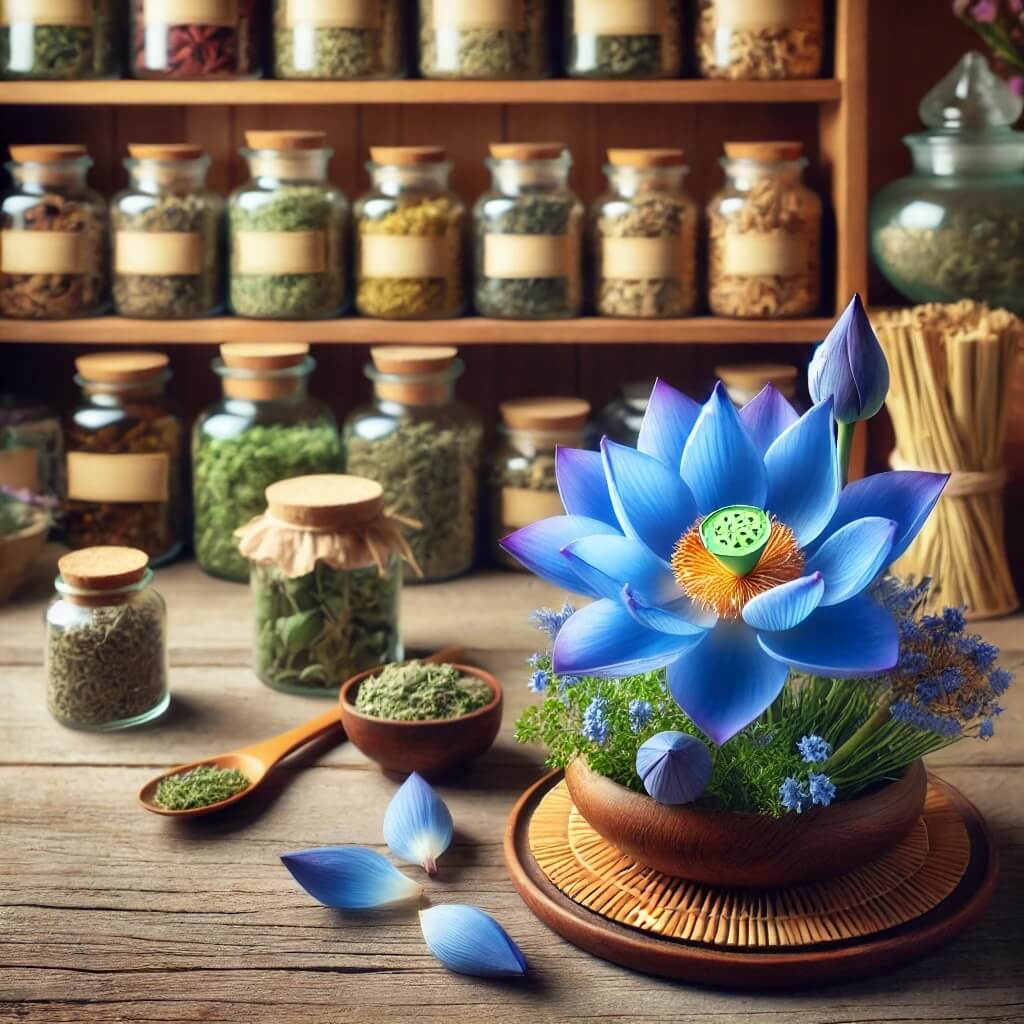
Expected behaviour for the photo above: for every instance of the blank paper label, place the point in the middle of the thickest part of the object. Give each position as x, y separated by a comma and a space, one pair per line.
191, 12
403, 256
520, 506
75, 13
640, 259
19, 468
334, 13
158, 254
525, 256
279, 252
617, 17
117, 479
764, 254
43, 252
752, 15
487, 14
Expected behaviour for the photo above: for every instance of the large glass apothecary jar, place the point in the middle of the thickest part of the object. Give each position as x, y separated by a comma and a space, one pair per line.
410, 237
954, 228
53, 237
125, 455
528, 235
424, 447
764, 39
645, 237
326, 577
286, 230
196, 39
521, 476
338, 39
58, 40
505, 39
167, 236
106, 641
622, 417
623, 38
265, 428
764, 247
745, 381
31, 446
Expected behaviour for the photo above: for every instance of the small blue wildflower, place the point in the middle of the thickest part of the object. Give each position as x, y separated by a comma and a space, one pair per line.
765, 739
986, 730
566, 683
595, 721
954, 619
640, 712
814, 749
792, 795
549, 621
822, 789
910, 631
913, 662
950, 679
539, 681
908, 714
928, 691
1000, 681
901, 598
535, 659
933, 624
981, 654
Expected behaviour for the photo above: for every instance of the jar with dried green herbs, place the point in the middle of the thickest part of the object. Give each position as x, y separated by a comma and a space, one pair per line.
57, 40
623, 38
106, 641
286, 231
265, 428
645, 237
423, 447
523, 488
31, 446
529, 235
53, 237
410, 233
506, 39
338, 40
764, 247
168, 233
125, 455
622, 417
326, 577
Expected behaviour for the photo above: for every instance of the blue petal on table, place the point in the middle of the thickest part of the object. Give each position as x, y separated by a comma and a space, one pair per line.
468, 941
417, 825
350, 877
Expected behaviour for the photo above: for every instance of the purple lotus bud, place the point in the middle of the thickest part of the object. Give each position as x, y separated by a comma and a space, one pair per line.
675, 768
850, 366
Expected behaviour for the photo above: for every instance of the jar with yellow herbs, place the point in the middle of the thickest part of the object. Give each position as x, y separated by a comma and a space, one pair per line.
506, 39
286, 230
106, 641
423, 447
645, 237
326, 576
764, 39
529, 235
410, 237
167, 236
125, 450
57, 40
53, 237
523, 488
623, 38
764, 248
265, 428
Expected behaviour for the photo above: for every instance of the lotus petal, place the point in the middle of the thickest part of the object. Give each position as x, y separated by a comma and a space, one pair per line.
350, 877
607, 563
785, 606
766, 416
681, 616
582, 485
853, 556
417, 825
675, 768
667, 423
468, 941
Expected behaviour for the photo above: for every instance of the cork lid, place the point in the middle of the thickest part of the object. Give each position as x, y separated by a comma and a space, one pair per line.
407, 156
285, 140
103, 568
164, 151
120, 367
786, 150
411, 360
326, 501
242, 355
646, 157
50, 153
754, 376
545, 413
527, 150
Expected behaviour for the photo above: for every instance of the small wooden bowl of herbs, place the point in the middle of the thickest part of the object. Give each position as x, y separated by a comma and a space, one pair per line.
422, 717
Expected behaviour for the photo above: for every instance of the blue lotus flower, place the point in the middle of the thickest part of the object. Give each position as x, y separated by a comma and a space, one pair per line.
724, 549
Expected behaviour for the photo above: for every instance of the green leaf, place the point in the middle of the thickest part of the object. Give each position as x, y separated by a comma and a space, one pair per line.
297, 632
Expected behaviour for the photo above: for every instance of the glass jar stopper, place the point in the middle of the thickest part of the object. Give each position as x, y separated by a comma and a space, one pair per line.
971, 98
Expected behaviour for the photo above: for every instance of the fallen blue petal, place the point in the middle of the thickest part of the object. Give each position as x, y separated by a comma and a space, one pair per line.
675, 768
350, 877
417, 825
468, 941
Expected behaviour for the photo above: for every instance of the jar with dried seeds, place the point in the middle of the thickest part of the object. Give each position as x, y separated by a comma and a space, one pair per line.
57, 40
764, 247
623, 38
125, 454
760, 39
53, 245
645, 237
167, 236
410, 237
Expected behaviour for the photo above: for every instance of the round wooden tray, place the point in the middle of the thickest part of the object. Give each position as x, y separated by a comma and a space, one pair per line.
794, 941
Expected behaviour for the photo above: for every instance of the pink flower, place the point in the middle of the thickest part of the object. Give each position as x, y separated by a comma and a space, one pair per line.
985, 11
1016, 6
1017, 85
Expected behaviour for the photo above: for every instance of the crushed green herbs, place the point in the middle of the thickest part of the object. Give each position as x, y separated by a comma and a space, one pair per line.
59, 52
626, 55
419, 691
199, 787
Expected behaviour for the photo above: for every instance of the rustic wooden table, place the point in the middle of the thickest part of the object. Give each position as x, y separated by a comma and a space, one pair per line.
111, 914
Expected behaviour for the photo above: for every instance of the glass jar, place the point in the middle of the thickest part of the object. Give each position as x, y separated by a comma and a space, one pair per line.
745, 381
504, 39
125, 451
622, 418
106, 641
43, 40
423, 447
623, 38
769, 39
53, 245
529, 235
31, 446
265, 428
410, 237
196, 39
167, 236
286, 229
360, 40
645, 237
523, 488
764, 248
954, 228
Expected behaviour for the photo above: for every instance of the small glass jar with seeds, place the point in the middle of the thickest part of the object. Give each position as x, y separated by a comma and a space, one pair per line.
528, 235
168, 232
106, 641
523, 488
623, 38
410, 237
31, 446
58, 40
424, 448
645, 237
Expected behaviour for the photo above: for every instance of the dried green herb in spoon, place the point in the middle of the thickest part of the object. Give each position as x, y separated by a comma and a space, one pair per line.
418, 691
199, 787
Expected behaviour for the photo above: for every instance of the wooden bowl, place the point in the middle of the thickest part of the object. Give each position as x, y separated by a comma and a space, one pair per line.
433, 747
18, 551
734, 849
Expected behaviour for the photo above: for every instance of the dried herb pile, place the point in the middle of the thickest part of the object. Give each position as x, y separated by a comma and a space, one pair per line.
199, 787
418, 691
60, 52
621, 55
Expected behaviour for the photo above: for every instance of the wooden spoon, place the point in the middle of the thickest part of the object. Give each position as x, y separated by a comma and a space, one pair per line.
256, 761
